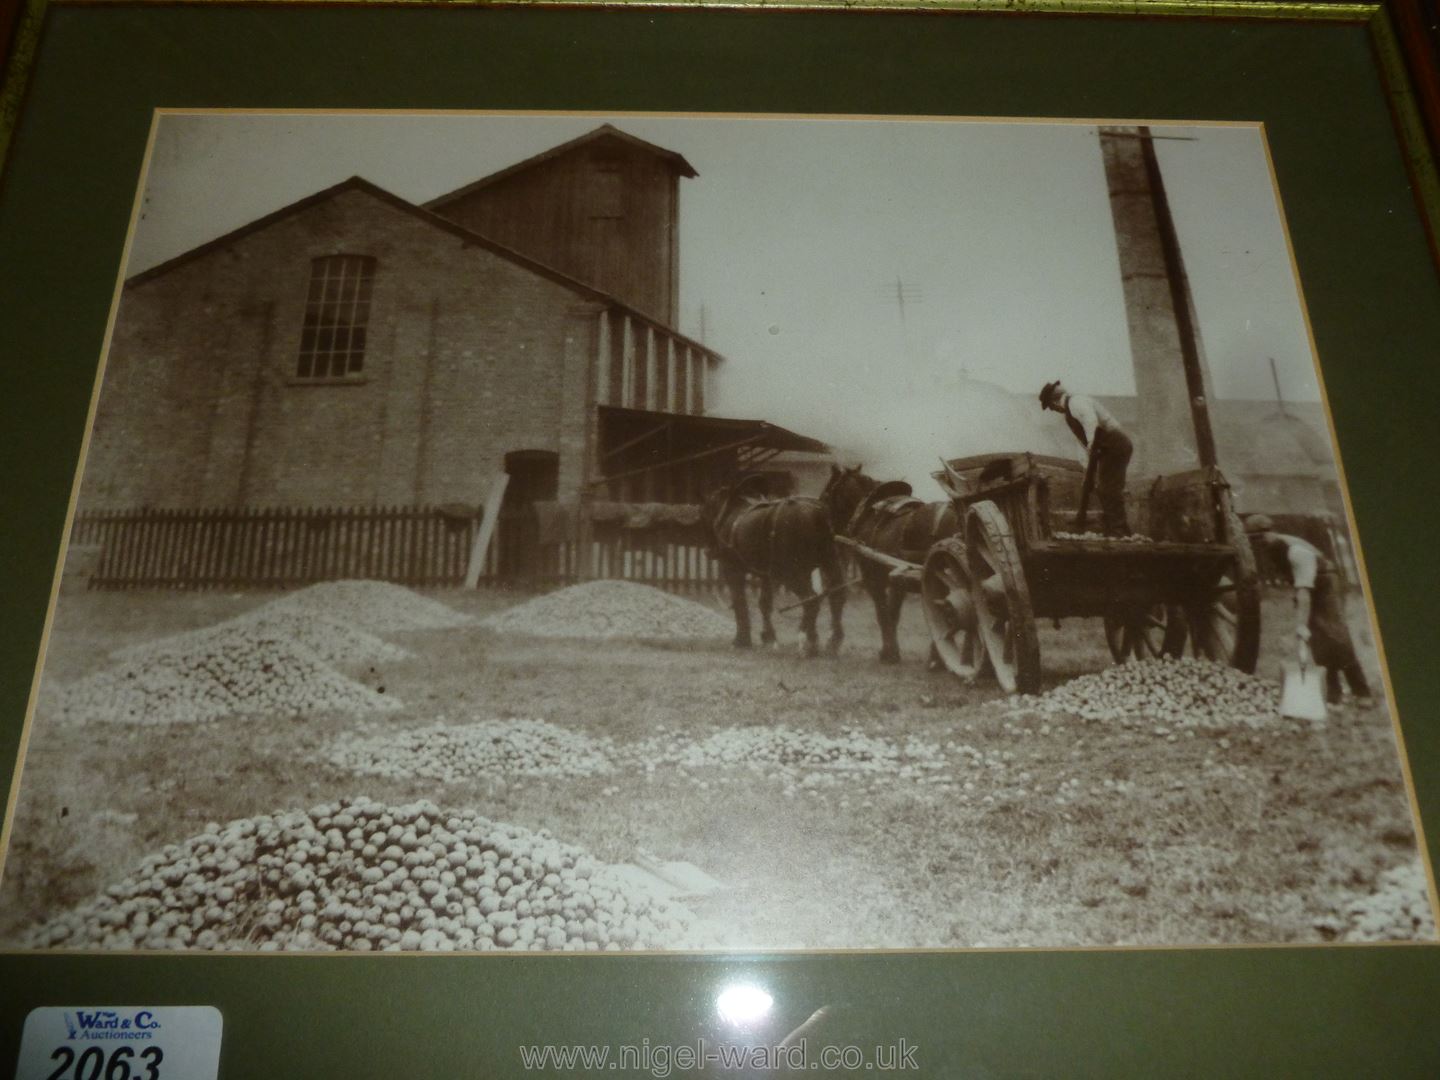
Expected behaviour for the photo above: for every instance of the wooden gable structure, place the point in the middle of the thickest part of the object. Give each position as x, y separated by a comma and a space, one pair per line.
603, 208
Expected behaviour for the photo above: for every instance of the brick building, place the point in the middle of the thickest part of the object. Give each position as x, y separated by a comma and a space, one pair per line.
356, 349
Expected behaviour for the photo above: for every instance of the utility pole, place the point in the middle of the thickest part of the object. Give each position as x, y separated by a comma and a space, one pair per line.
1279, 397
900, 292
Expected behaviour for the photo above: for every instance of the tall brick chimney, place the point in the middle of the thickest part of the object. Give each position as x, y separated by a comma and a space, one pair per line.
1173, 431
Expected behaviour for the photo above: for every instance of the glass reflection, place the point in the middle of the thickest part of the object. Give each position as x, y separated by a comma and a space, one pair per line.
743, 1004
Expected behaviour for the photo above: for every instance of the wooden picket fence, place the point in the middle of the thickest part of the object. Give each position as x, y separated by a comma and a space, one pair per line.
668, 557
417, 546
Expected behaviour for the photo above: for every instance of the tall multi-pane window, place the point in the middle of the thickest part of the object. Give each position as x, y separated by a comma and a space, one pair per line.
337, 313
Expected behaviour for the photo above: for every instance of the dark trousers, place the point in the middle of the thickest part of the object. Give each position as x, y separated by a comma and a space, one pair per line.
1112, 458
1330, 641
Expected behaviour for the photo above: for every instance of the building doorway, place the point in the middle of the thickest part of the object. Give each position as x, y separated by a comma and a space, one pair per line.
534, 477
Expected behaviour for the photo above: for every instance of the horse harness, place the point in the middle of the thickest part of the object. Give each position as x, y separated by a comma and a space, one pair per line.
891, 499
730, 514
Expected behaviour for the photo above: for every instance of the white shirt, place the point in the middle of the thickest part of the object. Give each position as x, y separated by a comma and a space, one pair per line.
1304, 561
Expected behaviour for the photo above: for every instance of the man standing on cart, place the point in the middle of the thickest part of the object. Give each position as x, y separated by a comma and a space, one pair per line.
1319, 615
1107, 457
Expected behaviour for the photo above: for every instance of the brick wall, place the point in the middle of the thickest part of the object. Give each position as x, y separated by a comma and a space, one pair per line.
469, 356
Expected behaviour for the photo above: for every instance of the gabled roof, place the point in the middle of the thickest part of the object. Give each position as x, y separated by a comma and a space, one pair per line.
605, 131
358, 183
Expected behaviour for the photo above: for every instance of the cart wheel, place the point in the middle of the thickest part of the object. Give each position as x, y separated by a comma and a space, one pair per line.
1145, 633
1002, 599
1225, 625
950, 611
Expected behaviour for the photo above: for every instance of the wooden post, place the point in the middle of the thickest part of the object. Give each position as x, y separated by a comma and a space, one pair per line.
607, 385
652, 371
687, 364
493, 499
627, 360
670, 404
682, 378
585, 558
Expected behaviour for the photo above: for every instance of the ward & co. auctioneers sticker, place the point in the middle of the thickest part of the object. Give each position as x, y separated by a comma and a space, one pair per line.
121, 1042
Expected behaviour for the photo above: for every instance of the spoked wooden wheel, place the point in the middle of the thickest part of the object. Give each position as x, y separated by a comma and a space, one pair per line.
949, 610
1006, 620
1224, 622
1145, 633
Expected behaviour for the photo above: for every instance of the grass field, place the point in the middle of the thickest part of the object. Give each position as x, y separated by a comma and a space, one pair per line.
1059, 833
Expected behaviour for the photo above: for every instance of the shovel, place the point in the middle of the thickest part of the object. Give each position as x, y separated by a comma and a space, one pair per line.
1302, 696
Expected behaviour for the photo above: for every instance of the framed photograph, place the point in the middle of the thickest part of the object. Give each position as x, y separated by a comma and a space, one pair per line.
934, 528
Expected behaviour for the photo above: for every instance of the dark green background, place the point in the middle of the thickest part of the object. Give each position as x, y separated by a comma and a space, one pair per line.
1372, 292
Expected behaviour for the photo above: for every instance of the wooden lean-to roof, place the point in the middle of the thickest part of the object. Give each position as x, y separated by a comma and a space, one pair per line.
708, 431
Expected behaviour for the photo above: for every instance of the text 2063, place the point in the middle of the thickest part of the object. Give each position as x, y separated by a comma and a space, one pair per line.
91, 1063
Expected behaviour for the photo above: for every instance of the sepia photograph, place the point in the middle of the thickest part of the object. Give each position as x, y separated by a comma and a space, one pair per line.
673, 533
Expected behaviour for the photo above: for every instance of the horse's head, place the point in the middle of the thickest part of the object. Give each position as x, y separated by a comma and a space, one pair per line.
844, 491
712, 508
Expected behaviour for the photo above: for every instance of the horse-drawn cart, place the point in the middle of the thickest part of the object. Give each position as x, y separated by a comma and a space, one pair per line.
1187, 576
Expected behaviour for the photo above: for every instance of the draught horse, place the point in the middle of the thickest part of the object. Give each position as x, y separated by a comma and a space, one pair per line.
780, 541
888, 519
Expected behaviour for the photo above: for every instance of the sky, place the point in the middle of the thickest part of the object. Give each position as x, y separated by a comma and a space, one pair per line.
799, 238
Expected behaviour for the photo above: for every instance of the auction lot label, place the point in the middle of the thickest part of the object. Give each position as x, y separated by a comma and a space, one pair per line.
121, 1042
